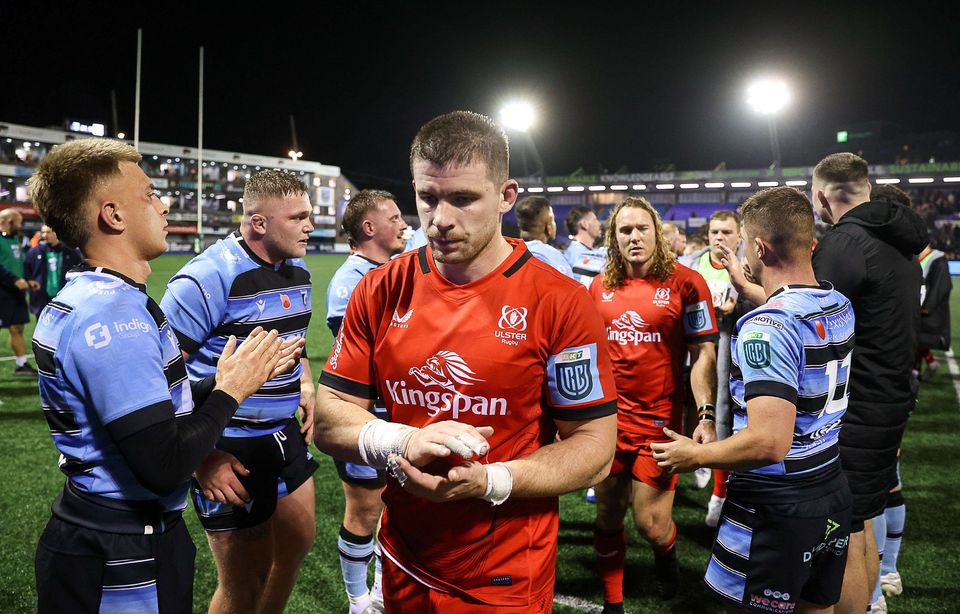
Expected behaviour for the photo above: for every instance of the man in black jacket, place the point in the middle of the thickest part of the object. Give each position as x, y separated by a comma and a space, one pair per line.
870, 256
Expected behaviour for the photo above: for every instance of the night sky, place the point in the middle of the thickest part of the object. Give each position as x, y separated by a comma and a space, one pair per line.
636, 87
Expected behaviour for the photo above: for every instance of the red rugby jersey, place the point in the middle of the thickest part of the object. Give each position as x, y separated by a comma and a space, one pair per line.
649, 324
514, 350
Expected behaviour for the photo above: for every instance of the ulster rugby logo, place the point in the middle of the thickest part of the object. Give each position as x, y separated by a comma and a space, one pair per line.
662, 297
513, 318
513, 321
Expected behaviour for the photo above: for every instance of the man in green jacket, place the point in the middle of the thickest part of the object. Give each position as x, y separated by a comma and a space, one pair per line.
13, 287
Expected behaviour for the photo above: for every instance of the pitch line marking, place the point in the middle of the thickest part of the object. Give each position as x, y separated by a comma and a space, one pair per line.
581, 605
954, 371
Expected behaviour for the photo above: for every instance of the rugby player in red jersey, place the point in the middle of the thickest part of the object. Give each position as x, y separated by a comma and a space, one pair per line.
482, 355
655, 311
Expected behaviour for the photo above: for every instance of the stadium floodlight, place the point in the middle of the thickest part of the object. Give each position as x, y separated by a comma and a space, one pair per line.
769, 97
797, 183
665, 186
517, 115
639, 186
920, 180
740, 184
575, 188
295, 155
887, 181
621, 187
121, 135
555, 188
597, 188
714, 184
951, 179
535, 190
520, 190
767, 184
689, 186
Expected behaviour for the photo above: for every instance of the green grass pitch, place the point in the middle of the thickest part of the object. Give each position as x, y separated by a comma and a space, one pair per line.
929, 558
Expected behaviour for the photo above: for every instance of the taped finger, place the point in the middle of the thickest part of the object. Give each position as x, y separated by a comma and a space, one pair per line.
393, 467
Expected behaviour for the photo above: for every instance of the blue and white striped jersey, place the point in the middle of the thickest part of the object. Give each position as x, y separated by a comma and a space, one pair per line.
552, 256
228, 290
798, 347
586, 262
105, 351
341, 286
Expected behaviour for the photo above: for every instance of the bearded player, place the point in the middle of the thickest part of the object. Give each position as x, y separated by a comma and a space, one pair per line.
655, 311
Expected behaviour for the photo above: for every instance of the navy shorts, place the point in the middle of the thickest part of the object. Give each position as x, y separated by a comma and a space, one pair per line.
81, 570
279, 463
13, 308
766, 557
359, 474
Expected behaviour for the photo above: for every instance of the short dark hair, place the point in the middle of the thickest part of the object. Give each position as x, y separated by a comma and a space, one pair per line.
574, 216
66, 178
529, 211
271, 184
463, 137
781, 216
891, 194
842, 168
357, 208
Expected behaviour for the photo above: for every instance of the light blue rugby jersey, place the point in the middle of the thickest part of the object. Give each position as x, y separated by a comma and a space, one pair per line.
105, 351
341, 287
798, 347
228, 290
586, 262
552, 256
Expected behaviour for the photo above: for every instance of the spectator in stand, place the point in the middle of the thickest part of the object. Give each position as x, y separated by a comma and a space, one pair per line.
47, 265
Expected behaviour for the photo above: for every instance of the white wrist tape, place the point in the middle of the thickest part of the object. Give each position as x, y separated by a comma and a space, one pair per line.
499, 483
379, 439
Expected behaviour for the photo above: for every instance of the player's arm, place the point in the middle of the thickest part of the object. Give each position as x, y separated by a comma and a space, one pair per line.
770, 366
703, 384
307, 401
765, 440
581, 458
162, 450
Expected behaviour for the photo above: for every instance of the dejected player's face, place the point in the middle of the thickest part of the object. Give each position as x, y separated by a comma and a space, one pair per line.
636, 237
388, 226
288, 226
722, 232
460, 208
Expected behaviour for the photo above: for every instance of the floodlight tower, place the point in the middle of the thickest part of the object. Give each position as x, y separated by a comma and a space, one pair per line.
768, 97
520, 116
